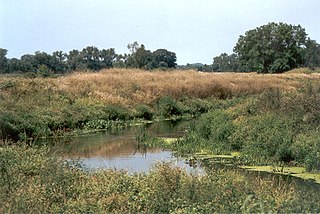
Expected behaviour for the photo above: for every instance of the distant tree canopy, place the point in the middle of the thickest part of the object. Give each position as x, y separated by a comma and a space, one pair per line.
142, 58
226, 62
275, 47
89, 58
271, 48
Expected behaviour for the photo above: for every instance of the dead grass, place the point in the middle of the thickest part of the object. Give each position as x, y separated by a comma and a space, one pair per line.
132, 86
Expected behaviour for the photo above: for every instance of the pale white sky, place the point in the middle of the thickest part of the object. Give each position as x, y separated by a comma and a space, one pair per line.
196, 30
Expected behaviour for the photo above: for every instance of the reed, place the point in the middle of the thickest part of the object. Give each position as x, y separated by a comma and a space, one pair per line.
131, 86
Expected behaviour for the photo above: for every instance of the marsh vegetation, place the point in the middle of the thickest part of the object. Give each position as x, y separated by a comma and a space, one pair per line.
267, 119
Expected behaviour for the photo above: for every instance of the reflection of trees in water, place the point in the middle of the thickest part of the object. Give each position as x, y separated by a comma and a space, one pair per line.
122, 144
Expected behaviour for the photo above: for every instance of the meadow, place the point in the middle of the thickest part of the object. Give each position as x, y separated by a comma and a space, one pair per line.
40, 107
266, 118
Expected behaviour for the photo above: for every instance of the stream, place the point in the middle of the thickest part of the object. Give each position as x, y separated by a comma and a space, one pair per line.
119, 150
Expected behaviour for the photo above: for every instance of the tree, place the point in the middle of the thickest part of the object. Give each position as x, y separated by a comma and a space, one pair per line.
14, 65
107, 57
145, 59
142, 58
164, 58
312, 54
226, 62
28, 63
58, 61
139, 57
91, 57
75, 60
3, 60
275, 47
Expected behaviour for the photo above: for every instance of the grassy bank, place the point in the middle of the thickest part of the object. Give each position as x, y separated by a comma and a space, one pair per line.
277, 127
41, 107
33, 180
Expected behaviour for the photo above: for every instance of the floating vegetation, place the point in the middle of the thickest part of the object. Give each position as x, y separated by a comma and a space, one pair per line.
299, 172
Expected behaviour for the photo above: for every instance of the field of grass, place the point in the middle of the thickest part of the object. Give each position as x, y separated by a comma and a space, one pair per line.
133, 87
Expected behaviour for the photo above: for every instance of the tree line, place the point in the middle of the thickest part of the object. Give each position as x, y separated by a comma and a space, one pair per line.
271, 48
89, 58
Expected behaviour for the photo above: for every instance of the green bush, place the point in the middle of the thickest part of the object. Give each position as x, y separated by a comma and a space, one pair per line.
216, 127
117, 112
270, 99
306, 150
8, 127
210, 133
266, 137
196, 107
168, 107
145, 112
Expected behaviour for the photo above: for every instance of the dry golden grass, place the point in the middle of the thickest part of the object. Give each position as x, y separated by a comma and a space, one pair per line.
132, 86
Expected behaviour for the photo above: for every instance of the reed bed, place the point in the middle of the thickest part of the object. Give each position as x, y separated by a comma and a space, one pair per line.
131, 86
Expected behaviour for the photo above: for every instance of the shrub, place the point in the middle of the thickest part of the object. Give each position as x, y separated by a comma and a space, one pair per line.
168, 107
266, 137
117, 112
211, 133
8, 127
270, 99
144, 112
306, 150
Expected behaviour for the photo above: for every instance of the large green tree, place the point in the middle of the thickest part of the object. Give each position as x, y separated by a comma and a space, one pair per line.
58, 61
164, 59
271, 48
91, 57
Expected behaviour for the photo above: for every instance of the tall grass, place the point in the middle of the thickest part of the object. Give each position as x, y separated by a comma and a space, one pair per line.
130, 87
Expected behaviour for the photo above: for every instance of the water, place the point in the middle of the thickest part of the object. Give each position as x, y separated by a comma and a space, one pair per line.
119, 150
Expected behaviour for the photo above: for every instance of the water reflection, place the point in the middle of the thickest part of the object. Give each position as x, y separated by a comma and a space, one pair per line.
119, 150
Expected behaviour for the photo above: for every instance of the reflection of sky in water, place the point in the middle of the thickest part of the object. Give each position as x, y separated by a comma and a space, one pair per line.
119, 151
138, 162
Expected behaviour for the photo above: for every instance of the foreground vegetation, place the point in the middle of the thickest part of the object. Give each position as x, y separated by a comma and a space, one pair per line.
34, 180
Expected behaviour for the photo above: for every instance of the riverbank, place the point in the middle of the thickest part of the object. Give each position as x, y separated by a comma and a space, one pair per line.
277, 127
34, 181
42, 107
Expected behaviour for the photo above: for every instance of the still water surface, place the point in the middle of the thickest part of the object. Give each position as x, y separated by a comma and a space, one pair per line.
119, 150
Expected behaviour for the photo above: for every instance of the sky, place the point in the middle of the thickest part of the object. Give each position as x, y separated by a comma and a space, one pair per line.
196, 30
